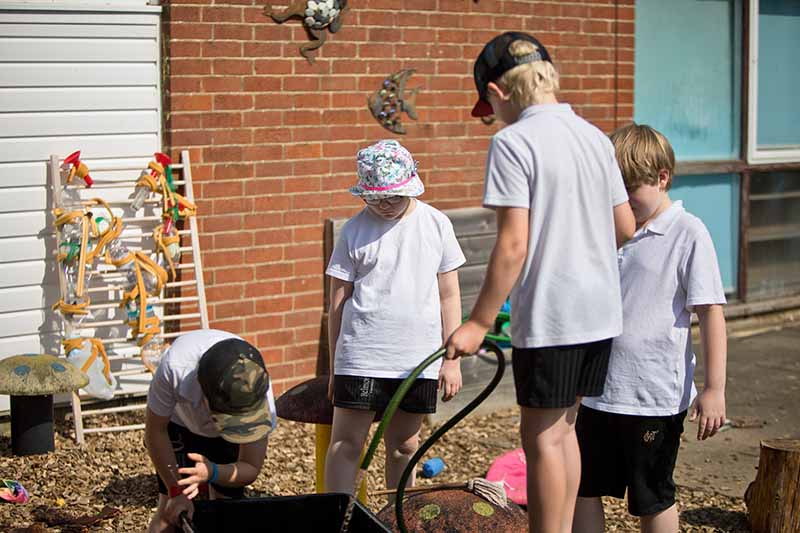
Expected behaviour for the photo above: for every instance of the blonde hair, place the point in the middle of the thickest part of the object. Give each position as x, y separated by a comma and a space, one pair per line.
642, 152
528, 83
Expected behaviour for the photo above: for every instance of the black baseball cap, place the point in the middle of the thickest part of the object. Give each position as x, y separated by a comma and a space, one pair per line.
495, 60
235, 382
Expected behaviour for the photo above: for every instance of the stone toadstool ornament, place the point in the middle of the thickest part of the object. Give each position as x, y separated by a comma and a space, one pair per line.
442, 511
31, 380
317, 15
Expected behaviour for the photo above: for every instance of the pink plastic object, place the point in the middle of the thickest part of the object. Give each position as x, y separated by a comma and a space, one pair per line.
510, 469
11, 491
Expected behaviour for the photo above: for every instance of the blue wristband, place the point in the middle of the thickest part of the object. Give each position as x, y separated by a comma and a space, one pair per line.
214, 473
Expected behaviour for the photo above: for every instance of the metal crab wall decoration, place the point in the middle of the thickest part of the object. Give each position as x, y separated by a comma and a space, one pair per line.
318, 16
387, 103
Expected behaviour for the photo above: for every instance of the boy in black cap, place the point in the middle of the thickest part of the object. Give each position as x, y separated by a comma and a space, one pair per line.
562, 210
209, 411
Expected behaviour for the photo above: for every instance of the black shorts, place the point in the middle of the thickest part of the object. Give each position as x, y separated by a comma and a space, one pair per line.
216, 449
636, 453
555, 376
373, 394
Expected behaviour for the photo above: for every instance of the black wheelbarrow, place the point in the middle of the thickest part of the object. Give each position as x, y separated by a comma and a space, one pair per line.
320, 513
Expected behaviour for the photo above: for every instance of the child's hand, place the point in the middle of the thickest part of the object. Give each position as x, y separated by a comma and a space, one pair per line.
197, 474
710, 406
175, 506
450, 379
466, 340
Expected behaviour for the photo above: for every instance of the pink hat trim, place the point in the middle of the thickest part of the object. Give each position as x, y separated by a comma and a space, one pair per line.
388, 187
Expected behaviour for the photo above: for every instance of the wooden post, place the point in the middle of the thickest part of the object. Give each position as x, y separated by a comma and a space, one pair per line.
773, 499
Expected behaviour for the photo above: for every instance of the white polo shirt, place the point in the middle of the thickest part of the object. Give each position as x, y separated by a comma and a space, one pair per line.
564, 170
666, 269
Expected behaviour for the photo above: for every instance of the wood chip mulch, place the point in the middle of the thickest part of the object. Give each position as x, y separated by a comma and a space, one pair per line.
113, 470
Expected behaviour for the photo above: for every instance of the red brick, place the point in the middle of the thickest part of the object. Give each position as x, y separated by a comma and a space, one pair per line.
184, 14
262, 49
237, 274
264, 322
274, 271
194, 102
237, 32
273, 137
232, 66
192, 31
221, 293
263, 289
222, 49
233, 101
264, 254
222, 14
273, 305
222, 120
181, 66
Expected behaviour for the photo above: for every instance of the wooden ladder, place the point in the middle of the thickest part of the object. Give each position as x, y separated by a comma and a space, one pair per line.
108, 321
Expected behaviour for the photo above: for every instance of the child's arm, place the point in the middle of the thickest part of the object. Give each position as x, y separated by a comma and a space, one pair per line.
450, 302
505, 264
710, 404
243, 472
624, 223
340, 291
161, 454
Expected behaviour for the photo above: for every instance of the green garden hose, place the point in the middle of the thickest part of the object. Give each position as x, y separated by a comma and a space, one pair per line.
394, 404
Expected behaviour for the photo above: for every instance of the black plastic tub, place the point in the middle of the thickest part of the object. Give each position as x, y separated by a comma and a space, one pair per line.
318, 513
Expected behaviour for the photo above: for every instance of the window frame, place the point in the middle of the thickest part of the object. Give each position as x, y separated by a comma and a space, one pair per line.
755, 155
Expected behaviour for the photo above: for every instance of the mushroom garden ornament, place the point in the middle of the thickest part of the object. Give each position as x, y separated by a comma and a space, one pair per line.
31, 380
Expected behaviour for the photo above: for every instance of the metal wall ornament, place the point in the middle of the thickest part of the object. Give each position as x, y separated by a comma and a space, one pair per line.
318, 17
390, 101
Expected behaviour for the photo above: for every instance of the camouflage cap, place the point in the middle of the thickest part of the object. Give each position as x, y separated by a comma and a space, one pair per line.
236, 384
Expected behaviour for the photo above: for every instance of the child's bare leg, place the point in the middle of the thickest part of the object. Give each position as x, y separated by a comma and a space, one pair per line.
401, 440
572, 462
157, 523
664, 522
544, 435
589, 516
349, 431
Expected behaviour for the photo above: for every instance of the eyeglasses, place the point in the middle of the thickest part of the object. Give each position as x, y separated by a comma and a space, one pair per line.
391, 200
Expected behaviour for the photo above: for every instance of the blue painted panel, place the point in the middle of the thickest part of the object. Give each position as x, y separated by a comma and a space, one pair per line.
714, 198
687, 82
778, 72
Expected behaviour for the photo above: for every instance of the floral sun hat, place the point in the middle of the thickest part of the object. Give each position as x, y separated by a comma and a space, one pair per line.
386, 168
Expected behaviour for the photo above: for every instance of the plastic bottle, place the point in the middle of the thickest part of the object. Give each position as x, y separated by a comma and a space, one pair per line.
173, 249
140, 192
152, 352
117, 252
432, 467
70, 244
99, 386
133, 311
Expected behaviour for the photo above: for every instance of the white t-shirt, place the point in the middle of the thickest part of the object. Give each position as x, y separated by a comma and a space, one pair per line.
666, 269
175, 391
564, 170
393, 320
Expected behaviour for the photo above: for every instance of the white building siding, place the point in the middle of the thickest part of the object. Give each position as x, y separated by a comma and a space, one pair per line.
73, 76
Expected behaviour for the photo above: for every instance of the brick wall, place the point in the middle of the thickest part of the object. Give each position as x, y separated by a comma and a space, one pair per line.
273, 139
